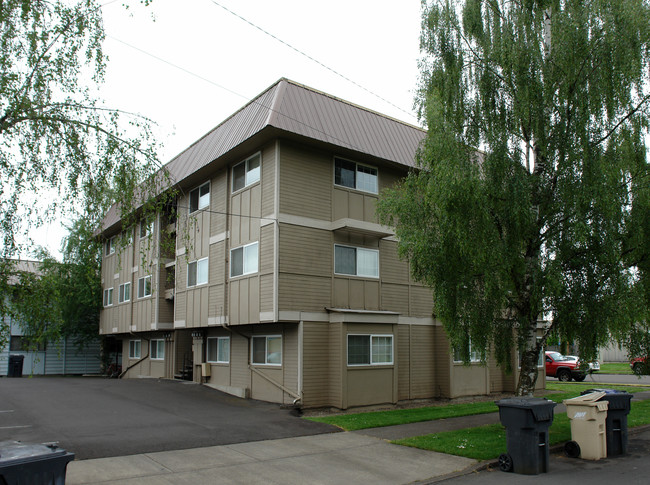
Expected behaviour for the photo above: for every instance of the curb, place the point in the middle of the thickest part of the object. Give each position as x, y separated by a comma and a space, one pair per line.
484, 465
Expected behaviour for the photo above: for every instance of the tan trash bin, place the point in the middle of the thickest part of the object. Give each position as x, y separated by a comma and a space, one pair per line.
587, 416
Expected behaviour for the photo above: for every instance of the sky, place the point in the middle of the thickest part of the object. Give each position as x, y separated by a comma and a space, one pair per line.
188, 65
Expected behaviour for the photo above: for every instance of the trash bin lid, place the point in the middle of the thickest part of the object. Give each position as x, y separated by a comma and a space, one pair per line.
606, 391
14, 452
542, 409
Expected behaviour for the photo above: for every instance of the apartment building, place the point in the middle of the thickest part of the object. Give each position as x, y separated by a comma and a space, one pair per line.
279, 283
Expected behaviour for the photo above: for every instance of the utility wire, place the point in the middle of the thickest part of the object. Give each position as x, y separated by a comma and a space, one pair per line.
253, 101
295, 49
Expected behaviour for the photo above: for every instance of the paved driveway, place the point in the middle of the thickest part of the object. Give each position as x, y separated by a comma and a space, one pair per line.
96, 417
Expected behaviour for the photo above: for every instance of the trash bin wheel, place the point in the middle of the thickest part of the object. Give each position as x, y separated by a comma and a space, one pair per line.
572, 449
505, 462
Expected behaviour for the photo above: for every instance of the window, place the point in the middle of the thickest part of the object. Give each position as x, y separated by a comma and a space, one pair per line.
356, 261
474, 354
370, 349
21, 343
125, 293
108, 297
110, 246
246, 172
197, 272
219, 350
157, 349
243, 260
144, 286
134, 349
267, 350
355, 176
146, 228
200, 197
128, 236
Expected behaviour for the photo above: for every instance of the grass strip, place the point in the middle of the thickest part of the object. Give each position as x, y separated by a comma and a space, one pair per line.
615, 368
488, 442
378, 419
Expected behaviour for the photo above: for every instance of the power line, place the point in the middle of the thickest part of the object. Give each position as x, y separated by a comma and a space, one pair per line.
302, 53
253, 101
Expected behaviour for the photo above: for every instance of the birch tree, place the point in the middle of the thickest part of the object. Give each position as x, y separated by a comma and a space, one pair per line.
531, 196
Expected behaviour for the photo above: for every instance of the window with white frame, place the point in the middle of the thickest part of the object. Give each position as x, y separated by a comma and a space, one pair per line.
354, 261
355, 175
146, 228
218, 350
197, 272
244, 260
246, 172
108, 296
125, 292
144, 286
157, 349
128, 236
472, 352
370, 349
134, 349
267, 350
200, 197
110, 246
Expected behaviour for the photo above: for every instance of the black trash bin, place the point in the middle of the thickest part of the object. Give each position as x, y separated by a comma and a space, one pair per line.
15, 368
616, 421
33, 464
527, 420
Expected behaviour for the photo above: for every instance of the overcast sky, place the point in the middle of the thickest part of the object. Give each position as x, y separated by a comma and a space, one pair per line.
187, 65
374, 43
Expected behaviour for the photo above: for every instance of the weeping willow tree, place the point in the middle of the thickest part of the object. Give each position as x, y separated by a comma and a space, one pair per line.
531, 196
63, 153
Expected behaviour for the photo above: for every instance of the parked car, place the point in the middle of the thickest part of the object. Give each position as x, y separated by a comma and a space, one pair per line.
639, 365
594, 366
559, 366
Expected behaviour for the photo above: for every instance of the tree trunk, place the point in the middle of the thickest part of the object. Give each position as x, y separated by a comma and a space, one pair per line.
528, 373
529, 359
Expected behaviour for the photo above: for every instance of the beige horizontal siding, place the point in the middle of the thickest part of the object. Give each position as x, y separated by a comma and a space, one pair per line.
393, 269
306, 180
303, 292
305, 250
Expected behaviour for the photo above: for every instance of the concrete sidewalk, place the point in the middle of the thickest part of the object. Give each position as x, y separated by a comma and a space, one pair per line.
336, 458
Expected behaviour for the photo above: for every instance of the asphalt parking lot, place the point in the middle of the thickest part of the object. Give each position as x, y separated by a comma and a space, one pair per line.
97, 417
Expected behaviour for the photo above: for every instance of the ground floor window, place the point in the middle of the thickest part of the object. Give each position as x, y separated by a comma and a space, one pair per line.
473, 354
370, 349
267, 349
219, 350
134, 349
157, 350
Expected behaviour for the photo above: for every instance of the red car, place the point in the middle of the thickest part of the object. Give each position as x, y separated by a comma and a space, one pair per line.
565, 369
639, 364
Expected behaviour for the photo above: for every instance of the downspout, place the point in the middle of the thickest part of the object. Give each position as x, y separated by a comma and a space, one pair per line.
156, 300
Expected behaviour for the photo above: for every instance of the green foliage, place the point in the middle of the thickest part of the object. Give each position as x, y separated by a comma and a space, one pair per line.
61, 299
550, 216
57, 139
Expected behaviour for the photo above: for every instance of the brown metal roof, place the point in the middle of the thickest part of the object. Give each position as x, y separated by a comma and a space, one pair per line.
297, 109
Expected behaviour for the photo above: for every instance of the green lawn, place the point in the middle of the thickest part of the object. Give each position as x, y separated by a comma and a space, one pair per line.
488, 442
377, 419
615, 368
